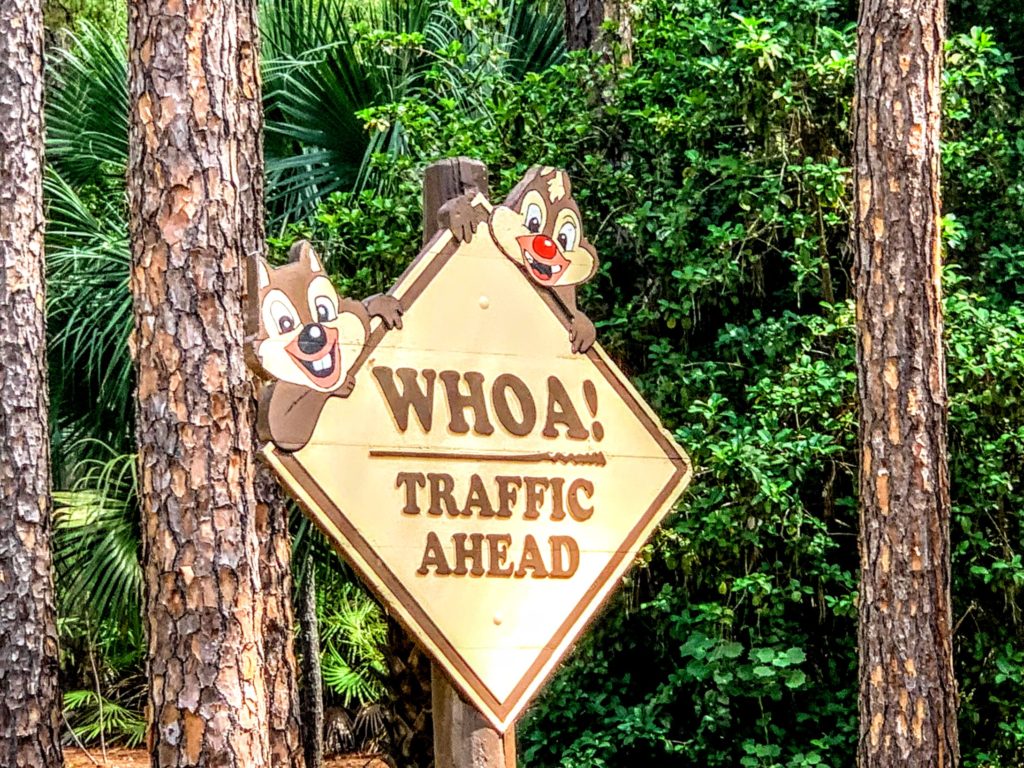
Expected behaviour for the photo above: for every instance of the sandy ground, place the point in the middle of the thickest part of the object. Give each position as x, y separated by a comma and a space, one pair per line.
118, 757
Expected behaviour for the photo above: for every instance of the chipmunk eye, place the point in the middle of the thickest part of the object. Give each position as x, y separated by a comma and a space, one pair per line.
325, 310
533, 218
283, 317
567, 236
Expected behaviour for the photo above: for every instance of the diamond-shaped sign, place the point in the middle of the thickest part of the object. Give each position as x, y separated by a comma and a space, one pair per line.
489, 484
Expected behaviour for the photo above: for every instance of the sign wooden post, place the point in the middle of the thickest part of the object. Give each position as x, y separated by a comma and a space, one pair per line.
462, 737
466, 444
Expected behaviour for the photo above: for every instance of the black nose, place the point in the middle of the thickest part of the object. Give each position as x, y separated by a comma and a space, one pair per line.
312, 339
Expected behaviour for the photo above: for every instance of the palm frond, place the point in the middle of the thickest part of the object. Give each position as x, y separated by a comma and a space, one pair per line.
535, 35
87, 106
96, 541
90, 312
352, 685
352, 633
90, 715
326, 61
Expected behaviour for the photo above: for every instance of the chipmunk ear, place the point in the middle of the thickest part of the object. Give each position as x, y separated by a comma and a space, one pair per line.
302, 251
262, 273
559, 185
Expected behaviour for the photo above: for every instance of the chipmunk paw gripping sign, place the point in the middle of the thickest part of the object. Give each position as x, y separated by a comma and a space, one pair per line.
464, 441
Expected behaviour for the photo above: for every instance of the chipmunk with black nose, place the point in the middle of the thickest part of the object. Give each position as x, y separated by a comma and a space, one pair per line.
306, 338
539, 228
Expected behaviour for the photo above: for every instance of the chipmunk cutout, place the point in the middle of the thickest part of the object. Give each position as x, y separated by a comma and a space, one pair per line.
539, 228
306, 339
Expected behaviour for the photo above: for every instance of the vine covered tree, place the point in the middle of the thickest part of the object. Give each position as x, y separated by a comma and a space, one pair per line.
907, 689
30, 701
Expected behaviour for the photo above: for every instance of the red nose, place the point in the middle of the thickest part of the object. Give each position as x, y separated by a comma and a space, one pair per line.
543, 246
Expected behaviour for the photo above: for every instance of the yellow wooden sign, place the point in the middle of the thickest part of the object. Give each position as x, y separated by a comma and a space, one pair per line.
465, 444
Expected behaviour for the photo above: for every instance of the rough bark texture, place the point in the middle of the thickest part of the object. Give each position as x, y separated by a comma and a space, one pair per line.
312, 689
583, 22
283, 704
190, 78
30, 700
907, 688
283, 719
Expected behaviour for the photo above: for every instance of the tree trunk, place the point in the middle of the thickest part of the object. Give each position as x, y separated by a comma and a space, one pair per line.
283, 719
312, 690
30, 702
283, 703
583, 22
907, 688
191, 75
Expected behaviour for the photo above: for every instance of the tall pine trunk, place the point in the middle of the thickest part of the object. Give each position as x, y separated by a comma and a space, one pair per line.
313, 691
283, 721
192, 79
283, 703
584, 20
29, 697
907, 687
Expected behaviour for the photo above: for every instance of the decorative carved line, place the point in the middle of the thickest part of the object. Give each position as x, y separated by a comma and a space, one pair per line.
581, 459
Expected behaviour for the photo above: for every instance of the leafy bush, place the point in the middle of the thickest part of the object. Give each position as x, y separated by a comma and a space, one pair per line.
713, 177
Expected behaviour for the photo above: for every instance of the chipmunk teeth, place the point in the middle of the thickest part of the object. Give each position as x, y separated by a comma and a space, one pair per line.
322, 367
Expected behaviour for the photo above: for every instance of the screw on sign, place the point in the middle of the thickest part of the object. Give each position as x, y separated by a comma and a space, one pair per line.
464, 441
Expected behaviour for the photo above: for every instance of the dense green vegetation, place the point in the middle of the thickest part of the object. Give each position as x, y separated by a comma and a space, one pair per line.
713, 176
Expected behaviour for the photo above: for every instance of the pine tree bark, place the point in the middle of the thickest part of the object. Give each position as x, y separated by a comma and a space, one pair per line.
583, 26
313, 682
191, 75
30, 703
283, 704
907, 687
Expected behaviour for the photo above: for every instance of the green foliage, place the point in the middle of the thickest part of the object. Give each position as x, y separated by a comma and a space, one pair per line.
96, 538
87, 107
352, 632
983, 150
89, 317
986, 370
330, 61
99, 590
90, 715
88, 303
713, 177
59, 16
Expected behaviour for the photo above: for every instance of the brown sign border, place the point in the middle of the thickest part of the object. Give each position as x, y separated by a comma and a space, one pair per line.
389, 588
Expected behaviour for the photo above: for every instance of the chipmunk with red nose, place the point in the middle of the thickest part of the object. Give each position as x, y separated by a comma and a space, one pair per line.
306, 339
539, 228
